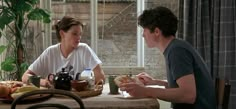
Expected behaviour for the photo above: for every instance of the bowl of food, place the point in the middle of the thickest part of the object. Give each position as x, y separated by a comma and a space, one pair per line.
79, 85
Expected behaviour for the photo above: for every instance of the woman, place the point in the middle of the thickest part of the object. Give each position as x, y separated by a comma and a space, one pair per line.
69, 53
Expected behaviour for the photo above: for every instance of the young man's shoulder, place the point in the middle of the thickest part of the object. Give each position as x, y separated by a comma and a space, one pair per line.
181, 44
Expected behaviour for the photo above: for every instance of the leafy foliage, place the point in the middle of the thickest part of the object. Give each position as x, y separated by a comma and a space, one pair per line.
15, 16
2, 48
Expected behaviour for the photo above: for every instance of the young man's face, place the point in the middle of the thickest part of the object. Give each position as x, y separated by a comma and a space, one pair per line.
149, 37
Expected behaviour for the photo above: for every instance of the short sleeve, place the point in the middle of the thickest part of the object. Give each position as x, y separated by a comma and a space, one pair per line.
39, 66
91, 59
180, 62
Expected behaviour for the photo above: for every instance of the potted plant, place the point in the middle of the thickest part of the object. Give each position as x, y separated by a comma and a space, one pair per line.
15, 16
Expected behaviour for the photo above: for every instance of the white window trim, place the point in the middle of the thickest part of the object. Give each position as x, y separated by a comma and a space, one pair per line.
140, 39
47, 34
94, 28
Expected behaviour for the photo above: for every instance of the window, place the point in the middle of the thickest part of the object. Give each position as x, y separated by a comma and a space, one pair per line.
116, 42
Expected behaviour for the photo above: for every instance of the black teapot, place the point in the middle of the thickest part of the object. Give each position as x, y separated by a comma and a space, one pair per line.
61, 80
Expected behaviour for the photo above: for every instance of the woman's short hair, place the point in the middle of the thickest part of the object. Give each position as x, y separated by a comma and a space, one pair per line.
65, 24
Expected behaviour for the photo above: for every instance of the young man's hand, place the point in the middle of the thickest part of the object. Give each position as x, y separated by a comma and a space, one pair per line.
146, 79
134, 89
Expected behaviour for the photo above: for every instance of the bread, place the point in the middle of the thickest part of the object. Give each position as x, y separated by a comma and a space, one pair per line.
11, 84
126, 79
122, 79
13, 89
7, 87
4, 91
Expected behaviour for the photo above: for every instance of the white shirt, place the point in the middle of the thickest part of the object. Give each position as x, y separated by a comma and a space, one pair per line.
52, 60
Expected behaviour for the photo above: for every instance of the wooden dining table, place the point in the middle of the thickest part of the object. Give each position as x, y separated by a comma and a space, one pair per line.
102, 101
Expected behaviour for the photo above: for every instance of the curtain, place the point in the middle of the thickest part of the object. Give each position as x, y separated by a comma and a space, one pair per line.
210, 26
194, 26
224, 32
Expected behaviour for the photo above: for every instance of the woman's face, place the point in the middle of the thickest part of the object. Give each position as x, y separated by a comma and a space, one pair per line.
72, 37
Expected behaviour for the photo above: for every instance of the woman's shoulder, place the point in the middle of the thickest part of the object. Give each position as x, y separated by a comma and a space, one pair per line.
83, 46
52, 48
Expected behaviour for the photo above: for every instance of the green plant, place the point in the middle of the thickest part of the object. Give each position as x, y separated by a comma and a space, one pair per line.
15, 16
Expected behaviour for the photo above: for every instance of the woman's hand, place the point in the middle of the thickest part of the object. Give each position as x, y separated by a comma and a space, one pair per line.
46, 83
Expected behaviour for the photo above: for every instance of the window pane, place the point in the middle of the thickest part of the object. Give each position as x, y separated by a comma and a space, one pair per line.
117, 31
117, 27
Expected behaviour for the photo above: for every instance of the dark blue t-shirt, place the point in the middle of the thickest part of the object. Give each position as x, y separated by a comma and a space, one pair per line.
182, 59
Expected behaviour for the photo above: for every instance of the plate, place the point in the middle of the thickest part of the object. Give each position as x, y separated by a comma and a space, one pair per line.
31, 99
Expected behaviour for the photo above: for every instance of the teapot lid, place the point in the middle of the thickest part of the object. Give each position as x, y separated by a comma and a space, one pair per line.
63, 71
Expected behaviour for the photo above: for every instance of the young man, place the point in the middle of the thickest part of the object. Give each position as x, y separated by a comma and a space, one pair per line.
189, 84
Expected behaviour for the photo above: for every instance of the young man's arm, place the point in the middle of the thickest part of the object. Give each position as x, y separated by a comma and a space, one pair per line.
185, 93
161, 83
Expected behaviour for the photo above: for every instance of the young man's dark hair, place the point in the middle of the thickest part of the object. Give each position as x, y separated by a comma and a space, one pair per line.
160, 17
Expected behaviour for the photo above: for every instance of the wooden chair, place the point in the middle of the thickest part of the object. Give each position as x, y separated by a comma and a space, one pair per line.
48, 91
222, 93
